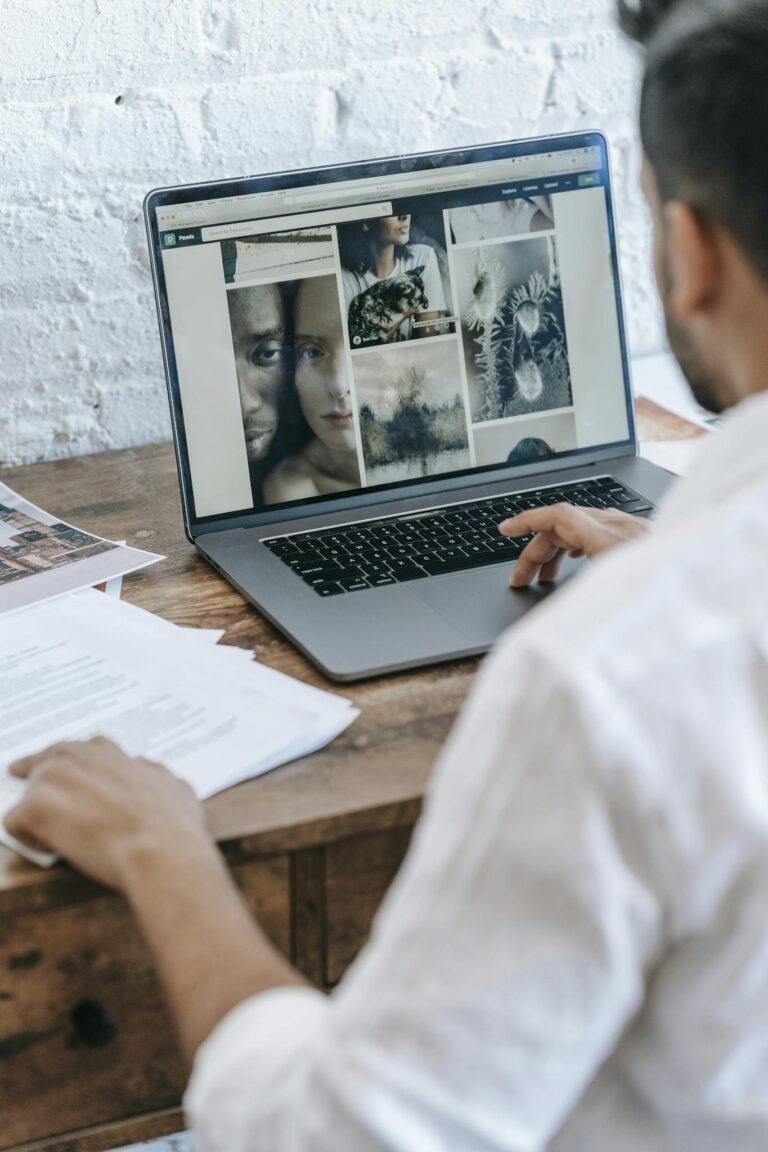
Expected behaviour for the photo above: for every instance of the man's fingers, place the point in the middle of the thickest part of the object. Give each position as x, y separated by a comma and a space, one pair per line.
75, 751
17, 825
551, 570
541, 551
562, 520
23, 767
28, 765
29, 820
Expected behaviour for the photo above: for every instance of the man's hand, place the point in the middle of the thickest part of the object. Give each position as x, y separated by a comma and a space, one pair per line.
562, 529
96, 807
134, 826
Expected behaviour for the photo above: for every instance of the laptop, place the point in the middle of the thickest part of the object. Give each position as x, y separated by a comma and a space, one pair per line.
370, 365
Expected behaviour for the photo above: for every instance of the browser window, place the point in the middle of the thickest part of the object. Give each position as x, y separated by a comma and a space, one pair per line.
389, 330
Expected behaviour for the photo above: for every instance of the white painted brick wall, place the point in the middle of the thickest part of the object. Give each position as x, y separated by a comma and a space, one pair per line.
102, 99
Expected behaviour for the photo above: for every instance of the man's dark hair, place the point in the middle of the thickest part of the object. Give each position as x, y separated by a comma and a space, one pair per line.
704, 108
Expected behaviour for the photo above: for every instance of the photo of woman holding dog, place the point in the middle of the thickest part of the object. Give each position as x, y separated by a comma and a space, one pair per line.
393, 287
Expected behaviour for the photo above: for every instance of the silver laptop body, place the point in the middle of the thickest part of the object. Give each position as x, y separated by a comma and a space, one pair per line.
351, 350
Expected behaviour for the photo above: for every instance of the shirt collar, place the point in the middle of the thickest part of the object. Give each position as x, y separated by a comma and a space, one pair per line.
733, 460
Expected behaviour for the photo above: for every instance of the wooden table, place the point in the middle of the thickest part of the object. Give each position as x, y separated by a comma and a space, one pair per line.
88, 1059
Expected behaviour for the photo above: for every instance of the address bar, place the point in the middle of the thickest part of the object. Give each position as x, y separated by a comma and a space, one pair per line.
289, 223
387, 188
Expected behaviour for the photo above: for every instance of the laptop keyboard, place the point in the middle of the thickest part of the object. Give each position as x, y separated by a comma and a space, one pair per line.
374, 553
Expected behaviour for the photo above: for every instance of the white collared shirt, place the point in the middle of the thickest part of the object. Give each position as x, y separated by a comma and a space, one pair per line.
574, 956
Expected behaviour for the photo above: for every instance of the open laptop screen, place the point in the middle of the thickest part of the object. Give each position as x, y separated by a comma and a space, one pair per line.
394, 328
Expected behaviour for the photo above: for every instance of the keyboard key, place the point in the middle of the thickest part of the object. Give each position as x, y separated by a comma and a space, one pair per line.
282, 548
637, 506
328, 589
450, 554
461, 564
412, 572
319, 574
354, 584
375, 568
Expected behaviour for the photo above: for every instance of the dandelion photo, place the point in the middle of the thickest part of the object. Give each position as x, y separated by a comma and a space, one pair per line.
511, 307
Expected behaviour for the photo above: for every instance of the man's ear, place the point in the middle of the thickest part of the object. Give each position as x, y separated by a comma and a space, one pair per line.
692, 260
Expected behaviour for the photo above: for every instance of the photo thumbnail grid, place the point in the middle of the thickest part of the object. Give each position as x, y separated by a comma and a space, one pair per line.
398, 348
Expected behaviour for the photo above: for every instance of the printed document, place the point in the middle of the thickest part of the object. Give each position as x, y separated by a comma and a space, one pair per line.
90, 665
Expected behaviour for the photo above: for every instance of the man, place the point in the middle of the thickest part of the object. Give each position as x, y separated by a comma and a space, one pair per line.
257, 319
575, 955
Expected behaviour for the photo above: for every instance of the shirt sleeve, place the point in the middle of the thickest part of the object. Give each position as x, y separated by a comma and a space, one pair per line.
504, 966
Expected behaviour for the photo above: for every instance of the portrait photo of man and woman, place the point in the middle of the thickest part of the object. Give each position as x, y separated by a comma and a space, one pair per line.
294, 389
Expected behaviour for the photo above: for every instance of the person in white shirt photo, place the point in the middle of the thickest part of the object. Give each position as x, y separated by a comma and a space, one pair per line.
375, 251
574, 955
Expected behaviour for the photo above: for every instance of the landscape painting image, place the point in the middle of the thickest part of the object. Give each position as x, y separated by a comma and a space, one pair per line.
412, 415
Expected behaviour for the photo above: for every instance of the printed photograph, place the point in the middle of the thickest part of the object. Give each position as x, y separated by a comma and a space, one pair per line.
515, 217
412, 417
525, 441
513, 328
29, 546
394, 272
42, 557
278, 256
298, 418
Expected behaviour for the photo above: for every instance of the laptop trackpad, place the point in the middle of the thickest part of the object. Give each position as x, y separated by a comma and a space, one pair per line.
481, 603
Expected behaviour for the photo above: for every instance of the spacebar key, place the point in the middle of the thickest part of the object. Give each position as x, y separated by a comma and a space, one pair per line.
408, 573
464, 563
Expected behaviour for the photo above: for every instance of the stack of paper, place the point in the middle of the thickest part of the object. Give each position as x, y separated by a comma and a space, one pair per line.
90, 664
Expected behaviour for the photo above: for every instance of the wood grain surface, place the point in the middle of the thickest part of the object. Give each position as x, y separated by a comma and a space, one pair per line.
373, 776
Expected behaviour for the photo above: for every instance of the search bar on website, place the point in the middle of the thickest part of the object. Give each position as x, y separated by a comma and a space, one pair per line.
292, 223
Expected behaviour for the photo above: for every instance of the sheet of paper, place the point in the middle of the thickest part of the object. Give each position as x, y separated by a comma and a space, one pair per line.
42, 557
658, 424
207, 637
112, 587
670, 438
89, 665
